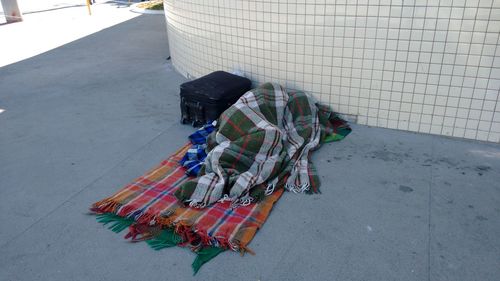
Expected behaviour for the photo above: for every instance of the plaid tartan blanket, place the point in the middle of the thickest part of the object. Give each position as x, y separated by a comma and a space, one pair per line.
148, 206
265, 136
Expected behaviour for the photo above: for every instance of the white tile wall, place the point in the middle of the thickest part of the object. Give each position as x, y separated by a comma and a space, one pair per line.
430, 66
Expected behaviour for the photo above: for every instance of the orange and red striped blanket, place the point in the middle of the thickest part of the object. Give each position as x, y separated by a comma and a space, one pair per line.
150, 206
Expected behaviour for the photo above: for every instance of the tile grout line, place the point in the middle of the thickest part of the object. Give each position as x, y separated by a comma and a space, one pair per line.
84, 188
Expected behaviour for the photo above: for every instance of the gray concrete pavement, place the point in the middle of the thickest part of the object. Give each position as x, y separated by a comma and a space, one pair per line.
50, 24
84, 119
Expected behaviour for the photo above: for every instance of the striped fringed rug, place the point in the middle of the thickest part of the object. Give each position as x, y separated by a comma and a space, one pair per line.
149, 210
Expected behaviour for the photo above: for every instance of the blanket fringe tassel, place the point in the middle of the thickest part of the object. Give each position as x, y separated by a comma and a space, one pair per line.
144, 226
298, 188
158, 237
107, 205
116, 224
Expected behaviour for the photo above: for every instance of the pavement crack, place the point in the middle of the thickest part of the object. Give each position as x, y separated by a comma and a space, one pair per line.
429, 218
126, 158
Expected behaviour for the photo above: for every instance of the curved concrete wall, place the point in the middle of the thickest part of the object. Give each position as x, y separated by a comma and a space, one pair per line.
421, 65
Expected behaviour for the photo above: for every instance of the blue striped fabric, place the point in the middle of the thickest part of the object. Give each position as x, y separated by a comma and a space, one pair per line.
194, 158
200, 136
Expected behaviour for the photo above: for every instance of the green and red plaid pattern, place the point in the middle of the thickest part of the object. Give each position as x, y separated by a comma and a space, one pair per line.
264, 138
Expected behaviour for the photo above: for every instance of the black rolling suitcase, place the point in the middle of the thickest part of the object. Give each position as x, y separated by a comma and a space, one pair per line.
205, 98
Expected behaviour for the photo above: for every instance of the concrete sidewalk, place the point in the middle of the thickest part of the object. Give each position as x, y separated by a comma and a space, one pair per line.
86, 118
50, 24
